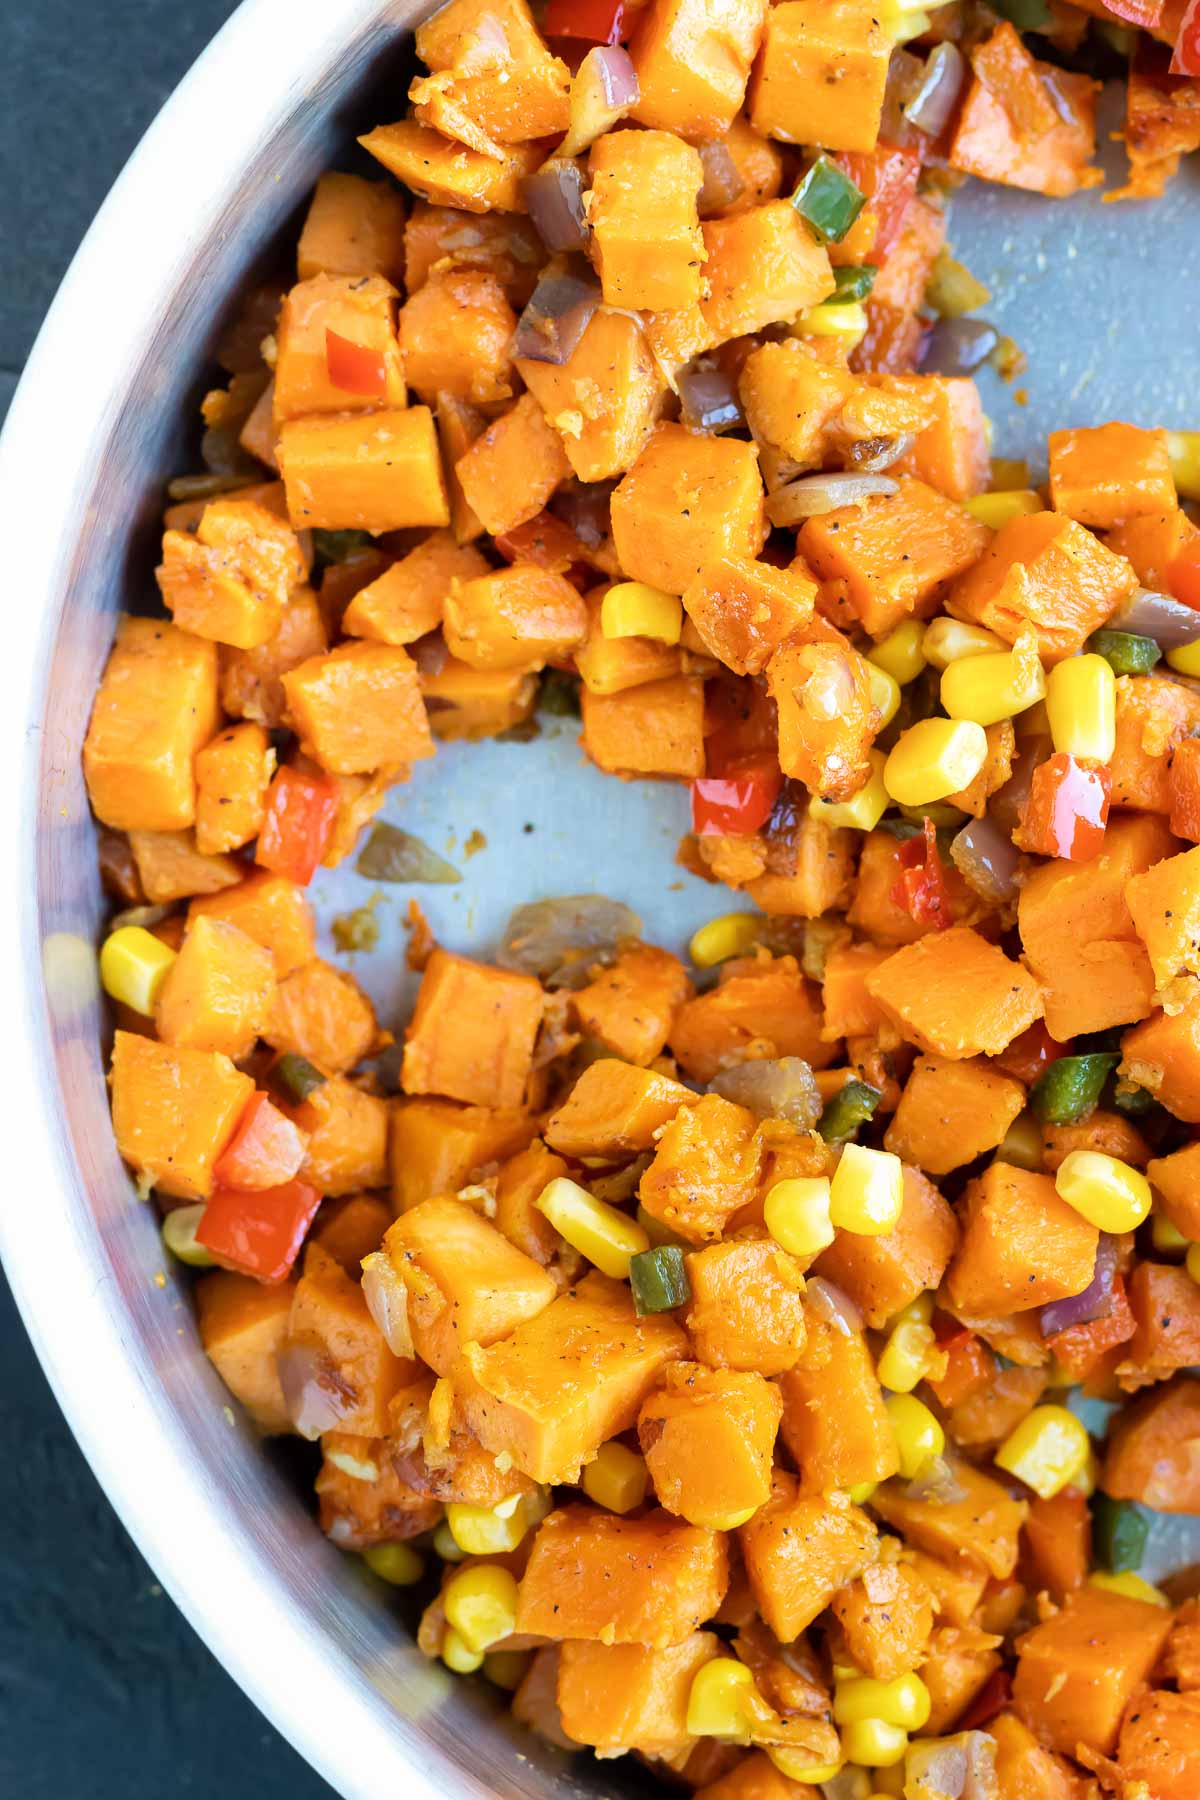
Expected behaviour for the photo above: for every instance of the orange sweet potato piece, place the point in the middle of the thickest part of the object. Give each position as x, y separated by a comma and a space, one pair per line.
1081, 1351
835, 1424
408, 598
983, 1420
174, 1110
743, 609
687, 500
347, 1132
1048, 572
1184, 790
1164, 1056
1022, 1246
708, 1436
472, 1032
610, 665
230, 580
981, 1530
1152, 1449
356, 1514
758, 162
359, 708
513, 467
791, 398
821, 74
951, 1112
329, 1316
746, 1311
502, 244
217, 992
884, 1274
646, 239
1182, 1661
270, 909
656, 728
960, 1660
872, 908
764, 1008
622, 1697
822, 875
895, 551
754, 1777
251, 680
171, 868
493, 77
1058, 1537
1107, 474
1152, 541
886, 1617
693, 60
1165, 1302
762, 267
243, 1324
476, 703
951, 451
321, 1013
827, 716
629, 1007
352, 227
450, 174
1160, 1744
705, 1168
1176, 1183
955, 995
615, 1110
233, 772
1164, 902
465, 1281
377, 471
155, 707
799, 1549
604, 399
436, 1147
521, 1180
1153, 718
1105, 1646
957, 1590
358, 308
514, 618
990, 143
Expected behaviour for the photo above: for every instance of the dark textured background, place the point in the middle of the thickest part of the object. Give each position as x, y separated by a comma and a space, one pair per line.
104, 1690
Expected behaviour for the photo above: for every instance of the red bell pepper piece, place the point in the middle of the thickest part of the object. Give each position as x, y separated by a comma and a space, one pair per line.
739, 801
1183, 576
992, 1698
887, 178
1146, 13
353, 367
1185, 59
1029, 1054
296, 828
265, 1151
258, 1233
921, 889
1066, 811
596, 21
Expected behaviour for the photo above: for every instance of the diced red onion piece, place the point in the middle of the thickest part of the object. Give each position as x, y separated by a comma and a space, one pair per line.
987, 859
429, 653
387, 1301
935, 99
958, 346
554, 196
1185, 57
710, 400
871, 456
904, 76
603, 89
313, 1398
1149, 614
585, 508
937, 1766
781, 1087
814, 494
560, 310
1096, 1300
723, 183
833, 1306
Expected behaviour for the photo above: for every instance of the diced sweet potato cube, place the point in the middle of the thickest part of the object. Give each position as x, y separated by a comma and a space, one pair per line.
1022, 1246
174, 1110
243, 1324
231, 580
873, 909
321, 1013
347, 1132
1153, 718
218, 990
827, 716
762, 266
645, 228
233, 773
502, 244
1160, 1744
455, 332
687, 500
1164, 1056
250, 680
951, 1112
604, 399
408, 599
1046, 571
693, 60
705, 1168
656, 728
361, 310
329, 1316
884, 1274
1107, 474
1077, 1671
799, 1550
352, 227
849, 1009
155, 707
835, 1424
379, 471
622, 1697
744, 609
522, 1179
466, 1283
823, 876
1152, 1454
894, 551
493, 76
951, 451
1152, 541
1110, 1132
791, 397
981, 1529
821, 74
270, 909
1176, 1183
171, 868
886, 1617
359, 708
756, 1009
513, 467
747, 1310
629, 1007
1166, 1305
451, 174
1164, 902
955, 995
436, 1147
708, 1437
472, 1032
987, 142
566, 1381
514, 618
615, 1110
476, 703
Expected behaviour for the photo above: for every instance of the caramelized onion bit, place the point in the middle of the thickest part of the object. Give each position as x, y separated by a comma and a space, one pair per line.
987, 859
1096, 1300
709, 398
814, 494
958, 346
558, 940
936, 1482
387, 1301
723, 183
1148, 614
931, 105
313, 1397
603, 89
554, 196
870, 456
832, 1306
560, 310
781, 1087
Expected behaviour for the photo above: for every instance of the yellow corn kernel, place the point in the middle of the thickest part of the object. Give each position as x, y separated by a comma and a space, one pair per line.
634, 609
792, 1764
1134, 1586
507, 1668
1185, 660
1192, 1262
133, 967
904, 1702
1163, 1235
459, 1656
1000, 508
901, 654
919, 1311
397, 1563
990, 688
902, 23
948, 640
1105, 1191
445, 1544
905, 1357
934, 758
615, 1478
889, 1782
796, 1213
885, 693
1022, 1144
495, 1530
1081, 704
845, 320
179, 1236
481, 1604
1183, 449
1086, 1479
919, 1437
1046, 1451
874, 1743
598, 1231
867, 1191
719, 1699
863, 811
732, 934
861, 1492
